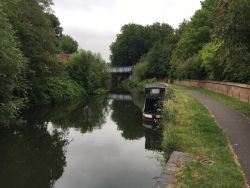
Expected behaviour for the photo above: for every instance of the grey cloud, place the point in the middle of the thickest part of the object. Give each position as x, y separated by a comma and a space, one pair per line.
83, 4
97, 42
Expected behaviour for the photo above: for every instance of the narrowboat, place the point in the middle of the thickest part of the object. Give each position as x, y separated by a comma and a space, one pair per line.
153, 101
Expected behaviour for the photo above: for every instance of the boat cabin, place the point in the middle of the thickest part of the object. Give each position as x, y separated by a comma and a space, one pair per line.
154, 101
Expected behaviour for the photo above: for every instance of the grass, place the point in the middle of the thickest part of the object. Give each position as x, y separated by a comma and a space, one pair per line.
240, 106
190, 128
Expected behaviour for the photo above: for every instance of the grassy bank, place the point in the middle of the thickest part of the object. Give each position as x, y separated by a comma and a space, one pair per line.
190, 128
232, 102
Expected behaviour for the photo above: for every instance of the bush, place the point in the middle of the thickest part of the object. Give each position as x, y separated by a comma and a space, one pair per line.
89, 71
138, 85
56, 90
12, 72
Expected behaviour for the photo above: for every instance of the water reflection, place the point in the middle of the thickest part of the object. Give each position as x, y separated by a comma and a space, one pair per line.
125, 114
84, 115
95, 143
153, 139
31, 156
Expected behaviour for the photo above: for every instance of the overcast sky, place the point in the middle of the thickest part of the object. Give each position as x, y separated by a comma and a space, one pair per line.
95, 23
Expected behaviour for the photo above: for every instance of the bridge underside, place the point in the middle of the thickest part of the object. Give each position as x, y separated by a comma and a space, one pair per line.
119, 77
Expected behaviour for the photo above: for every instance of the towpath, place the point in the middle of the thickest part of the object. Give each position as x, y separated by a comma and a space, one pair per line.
235, 125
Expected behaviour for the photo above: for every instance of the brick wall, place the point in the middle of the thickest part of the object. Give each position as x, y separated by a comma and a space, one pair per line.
235, 90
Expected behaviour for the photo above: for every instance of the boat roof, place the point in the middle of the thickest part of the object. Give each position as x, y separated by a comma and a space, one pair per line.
155, 85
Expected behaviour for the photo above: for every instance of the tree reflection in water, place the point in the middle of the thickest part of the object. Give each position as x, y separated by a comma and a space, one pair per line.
128, 118
153, 139
31, 156
84, 116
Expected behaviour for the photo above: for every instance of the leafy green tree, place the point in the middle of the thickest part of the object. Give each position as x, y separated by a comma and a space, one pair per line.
191, 69
211, 61
156, 63
129, 45
232, 28
136, 40
55, 24
12, 70
89, 71
36, 33
194, 35
68, 44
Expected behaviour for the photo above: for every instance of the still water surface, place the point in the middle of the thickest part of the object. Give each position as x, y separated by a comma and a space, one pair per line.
96, 144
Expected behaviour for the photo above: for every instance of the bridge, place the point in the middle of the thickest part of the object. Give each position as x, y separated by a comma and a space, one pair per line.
115, 70
120, 97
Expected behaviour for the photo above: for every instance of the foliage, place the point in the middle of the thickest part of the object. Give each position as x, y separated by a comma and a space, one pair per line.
12, 72
32, 154
31, 38
140, 69
56, 90
130, 125
211, 61
158, 58
136, 40
89, 71
190, 69
200, 136
138, 85
68, 44
232, 28
34, 29
193, 36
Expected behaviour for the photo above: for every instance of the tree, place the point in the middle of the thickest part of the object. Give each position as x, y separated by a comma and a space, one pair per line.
194, 35
35, 31
68, 44
12, 70
89, 71
232, 25
129, 45
136, 40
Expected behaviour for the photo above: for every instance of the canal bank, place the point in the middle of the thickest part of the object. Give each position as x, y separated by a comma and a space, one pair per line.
190, 128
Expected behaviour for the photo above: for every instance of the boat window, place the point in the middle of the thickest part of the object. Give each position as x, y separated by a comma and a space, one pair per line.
155, 91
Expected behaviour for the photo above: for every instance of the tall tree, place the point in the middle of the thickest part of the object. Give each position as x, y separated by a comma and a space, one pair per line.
136, 40
12, 67
35, 31
195, 34
68, 44
129, 45
232, 30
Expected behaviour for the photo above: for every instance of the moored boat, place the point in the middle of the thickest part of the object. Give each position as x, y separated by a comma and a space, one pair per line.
154, 101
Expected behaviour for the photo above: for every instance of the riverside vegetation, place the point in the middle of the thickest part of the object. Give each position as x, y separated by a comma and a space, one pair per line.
190, 128
214, 44
31, 74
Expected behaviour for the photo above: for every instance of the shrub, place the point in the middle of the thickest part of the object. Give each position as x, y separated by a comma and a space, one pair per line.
56, 90
89, 71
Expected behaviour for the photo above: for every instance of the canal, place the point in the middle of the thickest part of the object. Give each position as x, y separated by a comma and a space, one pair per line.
96, 143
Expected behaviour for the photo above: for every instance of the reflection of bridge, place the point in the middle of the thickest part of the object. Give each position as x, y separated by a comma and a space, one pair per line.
120, 97
115, 70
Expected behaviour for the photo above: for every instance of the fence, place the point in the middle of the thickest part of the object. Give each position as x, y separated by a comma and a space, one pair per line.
235, 90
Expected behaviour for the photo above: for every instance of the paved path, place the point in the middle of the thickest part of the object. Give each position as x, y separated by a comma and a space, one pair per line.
235, 125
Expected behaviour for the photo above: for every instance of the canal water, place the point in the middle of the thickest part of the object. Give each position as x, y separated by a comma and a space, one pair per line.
97, 143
